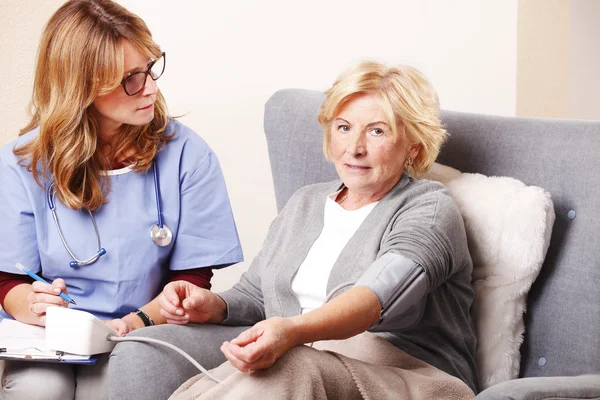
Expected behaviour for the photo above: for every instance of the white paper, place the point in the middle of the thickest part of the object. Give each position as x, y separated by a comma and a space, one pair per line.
28, 341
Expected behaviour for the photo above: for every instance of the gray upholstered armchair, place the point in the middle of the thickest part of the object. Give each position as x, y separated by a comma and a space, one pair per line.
560, 357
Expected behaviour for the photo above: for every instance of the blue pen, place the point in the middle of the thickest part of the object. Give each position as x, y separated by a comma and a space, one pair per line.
22, 268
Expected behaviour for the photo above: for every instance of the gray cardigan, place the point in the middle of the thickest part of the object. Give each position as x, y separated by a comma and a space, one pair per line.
417, 219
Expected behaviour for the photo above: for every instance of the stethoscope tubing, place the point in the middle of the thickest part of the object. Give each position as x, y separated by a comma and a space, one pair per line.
160, 233
101, 251
158, 197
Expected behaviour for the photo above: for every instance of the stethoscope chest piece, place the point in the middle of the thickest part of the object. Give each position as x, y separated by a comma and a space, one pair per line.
161, 236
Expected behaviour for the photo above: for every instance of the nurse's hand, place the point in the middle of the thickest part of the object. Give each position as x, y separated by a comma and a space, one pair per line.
260, 346
182, 302
45, 295
118, 325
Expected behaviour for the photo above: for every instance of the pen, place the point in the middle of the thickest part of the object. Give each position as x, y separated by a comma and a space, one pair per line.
22, 268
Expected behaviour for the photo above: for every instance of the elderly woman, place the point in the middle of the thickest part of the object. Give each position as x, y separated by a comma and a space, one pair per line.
399, 242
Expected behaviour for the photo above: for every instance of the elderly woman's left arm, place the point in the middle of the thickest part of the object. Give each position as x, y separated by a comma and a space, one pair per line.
426, 245
346, 315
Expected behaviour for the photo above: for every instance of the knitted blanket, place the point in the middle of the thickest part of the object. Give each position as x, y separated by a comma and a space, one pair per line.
362, 367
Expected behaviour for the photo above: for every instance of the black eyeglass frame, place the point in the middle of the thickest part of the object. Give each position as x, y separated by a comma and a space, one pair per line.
147, 72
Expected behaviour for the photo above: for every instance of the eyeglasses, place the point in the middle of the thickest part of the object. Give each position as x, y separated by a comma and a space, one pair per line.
135, 83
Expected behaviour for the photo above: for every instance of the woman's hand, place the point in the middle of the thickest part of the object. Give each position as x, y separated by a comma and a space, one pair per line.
182, 302
44, 295
260, 346
119, 326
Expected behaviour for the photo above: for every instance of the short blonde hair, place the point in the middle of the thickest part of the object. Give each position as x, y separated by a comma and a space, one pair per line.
409, 101
80, 57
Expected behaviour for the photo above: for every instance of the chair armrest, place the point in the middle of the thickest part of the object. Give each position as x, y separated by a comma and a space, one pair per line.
558, 387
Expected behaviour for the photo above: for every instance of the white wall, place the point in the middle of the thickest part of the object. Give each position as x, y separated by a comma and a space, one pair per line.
226, 58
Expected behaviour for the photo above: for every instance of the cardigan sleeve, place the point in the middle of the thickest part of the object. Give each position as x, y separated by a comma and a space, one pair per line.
425, 246
245, 302
245, 305
430, 231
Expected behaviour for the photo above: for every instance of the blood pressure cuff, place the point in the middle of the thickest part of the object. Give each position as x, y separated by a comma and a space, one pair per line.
401, 285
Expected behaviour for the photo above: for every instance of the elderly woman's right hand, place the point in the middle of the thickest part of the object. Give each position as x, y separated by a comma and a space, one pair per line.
260, 346
45, 295
182, 302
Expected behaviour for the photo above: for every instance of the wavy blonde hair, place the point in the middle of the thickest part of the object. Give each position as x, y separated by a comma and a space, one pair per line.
409, 101
80, 57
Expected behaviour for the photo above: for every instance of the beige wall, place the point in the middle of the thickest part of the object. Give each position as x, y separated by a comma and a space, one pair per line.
542, 58
558, 59
21, 24
226, 58
584, 60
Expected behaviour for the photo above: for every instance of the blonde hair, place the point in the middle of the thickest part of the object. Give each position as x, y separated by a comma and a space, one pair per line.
80, 58
408, 99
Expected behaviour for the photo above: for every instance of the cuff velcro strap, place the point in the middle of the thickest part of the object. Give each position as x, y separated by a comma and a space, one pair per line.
144, 317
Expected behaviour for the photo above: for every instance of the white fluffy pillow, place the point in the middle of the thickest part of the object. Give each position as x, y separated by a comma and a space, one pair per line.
508, 227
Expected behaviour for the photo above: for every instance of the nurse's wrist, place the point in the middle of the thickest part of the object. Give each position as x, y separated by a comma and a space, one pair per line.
133, 322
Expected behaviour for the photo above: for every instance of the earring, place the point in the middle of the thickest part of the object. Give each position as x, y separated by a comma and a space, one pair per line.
409, 161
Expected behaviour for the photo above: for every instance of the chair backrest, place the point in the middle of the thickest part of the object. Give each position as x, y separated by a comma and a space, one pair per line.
562, 156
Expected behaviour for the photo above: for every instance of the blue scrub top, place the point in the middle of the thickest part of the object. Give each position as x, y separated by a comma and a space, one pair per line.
195, 207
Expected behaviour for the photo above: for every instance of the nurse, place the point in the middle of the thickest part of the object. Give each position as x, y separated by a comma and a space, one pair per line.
103, 194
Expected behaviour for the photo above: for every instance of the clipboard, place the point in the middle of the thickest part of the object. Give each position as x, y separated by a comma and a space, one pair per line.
23, 342
58, 357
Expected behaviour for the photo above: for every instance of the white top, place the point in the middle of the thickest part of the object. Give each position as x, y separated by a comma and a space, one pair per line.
310, 282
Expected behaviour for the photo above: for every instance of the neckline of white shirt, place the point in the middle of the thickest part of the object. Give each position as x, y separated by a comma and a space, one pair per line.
119, 171
332, 197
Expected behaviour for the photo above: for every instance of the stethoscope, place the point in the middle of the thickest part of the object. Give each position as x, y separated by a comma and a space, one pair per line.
160, 233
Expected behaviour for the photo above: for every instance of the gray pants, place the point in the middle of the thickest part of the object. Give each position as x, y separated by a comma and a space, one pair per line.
49, 381
148, 371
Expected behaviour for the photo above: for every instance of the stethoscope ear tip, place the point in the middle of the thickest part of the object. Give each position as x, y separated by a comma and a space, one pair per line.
73, 264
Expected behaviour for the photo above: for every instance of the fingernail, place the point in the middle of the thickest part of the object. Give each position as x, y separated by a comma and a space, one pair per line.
186, 303
179, 312
56, 290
